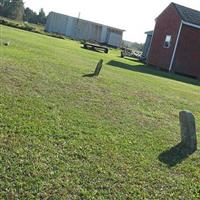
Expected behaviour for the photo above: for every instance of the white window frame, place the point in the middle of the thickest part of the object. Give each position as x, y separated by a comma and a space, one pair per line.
167, 42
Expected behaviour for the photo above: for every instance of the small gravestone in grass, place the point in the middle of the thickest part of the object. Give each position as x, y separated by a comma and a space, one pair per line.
188, 144
188, 130
98, 68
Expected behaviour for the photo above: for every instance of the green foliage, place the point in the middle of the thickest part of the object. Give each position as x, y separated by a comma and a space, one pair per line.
41, 17
15, 10
30, 16
5, 2
26, 27
65, 136
33, 17
4, 5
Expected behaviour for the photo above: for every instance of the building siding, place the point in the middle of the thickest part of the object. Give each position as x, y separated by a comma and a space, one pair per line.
187, 59
70, 31
103, 34
115, 39
83, 30
147, 44
167, 23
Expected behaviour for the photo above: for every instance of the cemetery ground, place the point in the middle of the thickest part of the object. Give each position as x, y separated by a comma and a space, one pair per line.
65, 135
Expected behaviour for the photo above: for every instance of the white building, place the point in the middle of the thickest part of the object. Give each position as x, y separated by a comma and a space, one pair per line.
83, 30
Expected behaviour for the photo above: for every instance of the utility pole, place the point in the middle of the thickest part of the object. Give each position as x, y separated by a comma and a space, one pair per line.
77, 29
79, 14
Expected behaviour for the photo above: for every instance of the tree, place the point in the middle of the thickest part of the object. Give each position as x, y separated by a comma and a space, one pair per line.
16, 10
1, 9
33, 17
30, 16
4, 5
41, 17
4, 2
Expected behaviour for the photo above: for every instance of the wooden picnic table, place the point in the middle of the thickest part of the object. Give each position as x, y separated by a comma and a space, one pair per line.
88, 45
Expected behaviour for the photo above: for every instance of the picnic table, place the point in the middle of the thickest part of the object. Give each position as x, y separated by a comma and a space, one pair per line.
93, 46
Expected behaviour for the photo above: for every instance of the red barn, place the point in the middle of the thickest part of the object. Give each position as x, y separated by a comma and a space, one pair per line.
175, 44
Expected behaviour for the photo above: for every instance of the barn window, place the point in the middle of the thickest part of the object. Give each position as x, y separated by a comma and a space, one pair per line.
168, 40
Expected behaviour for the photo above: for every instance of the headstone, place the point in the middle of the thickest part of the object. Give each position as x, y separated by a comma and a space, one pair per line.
98, 67
188, 130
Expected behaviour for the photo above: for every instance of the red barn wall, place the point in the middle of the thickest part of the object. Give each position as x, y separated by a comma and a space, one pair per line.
187, 57
167, 23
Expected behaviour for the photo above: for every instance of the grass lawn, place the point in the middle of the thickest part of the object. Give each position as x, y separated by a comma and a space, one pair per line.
65, 136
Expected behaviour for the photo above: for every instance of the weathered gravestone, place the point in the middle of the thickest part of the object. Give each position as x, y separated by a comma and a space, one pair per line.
98, 67
188, 130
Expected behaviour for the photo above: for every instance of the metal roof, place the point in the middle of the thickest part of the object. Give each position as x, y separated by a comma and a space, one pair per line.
149, 32
187, 14
122, 30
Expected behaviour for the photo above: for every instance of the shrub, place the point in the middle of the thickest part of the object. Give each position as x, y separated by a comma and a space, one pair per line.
27, 27
15, 25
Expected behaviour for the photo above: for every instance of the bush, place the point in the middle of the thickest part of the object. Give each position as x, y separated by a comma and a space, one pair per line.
56, 36
25, 27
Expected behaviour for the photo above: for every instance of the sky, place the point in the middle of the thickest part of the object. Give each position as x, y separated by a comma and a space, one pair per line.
134, 16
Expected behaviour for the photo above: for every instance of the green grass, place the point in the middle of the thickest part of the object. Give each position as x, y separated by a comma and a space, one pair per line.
65, 136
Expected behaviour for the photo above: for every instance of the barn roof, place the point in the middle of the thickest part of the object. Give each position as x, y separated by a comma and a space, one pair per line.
55, 13
188, 15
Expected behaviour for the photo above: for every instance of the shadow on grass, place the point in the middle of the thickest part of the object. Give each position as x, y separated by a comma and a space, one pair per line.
147, 69
175, 155
89, 75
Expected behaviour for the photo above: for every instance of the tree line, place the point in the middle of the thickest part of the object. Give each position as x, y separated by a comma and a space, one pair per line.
14, 9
